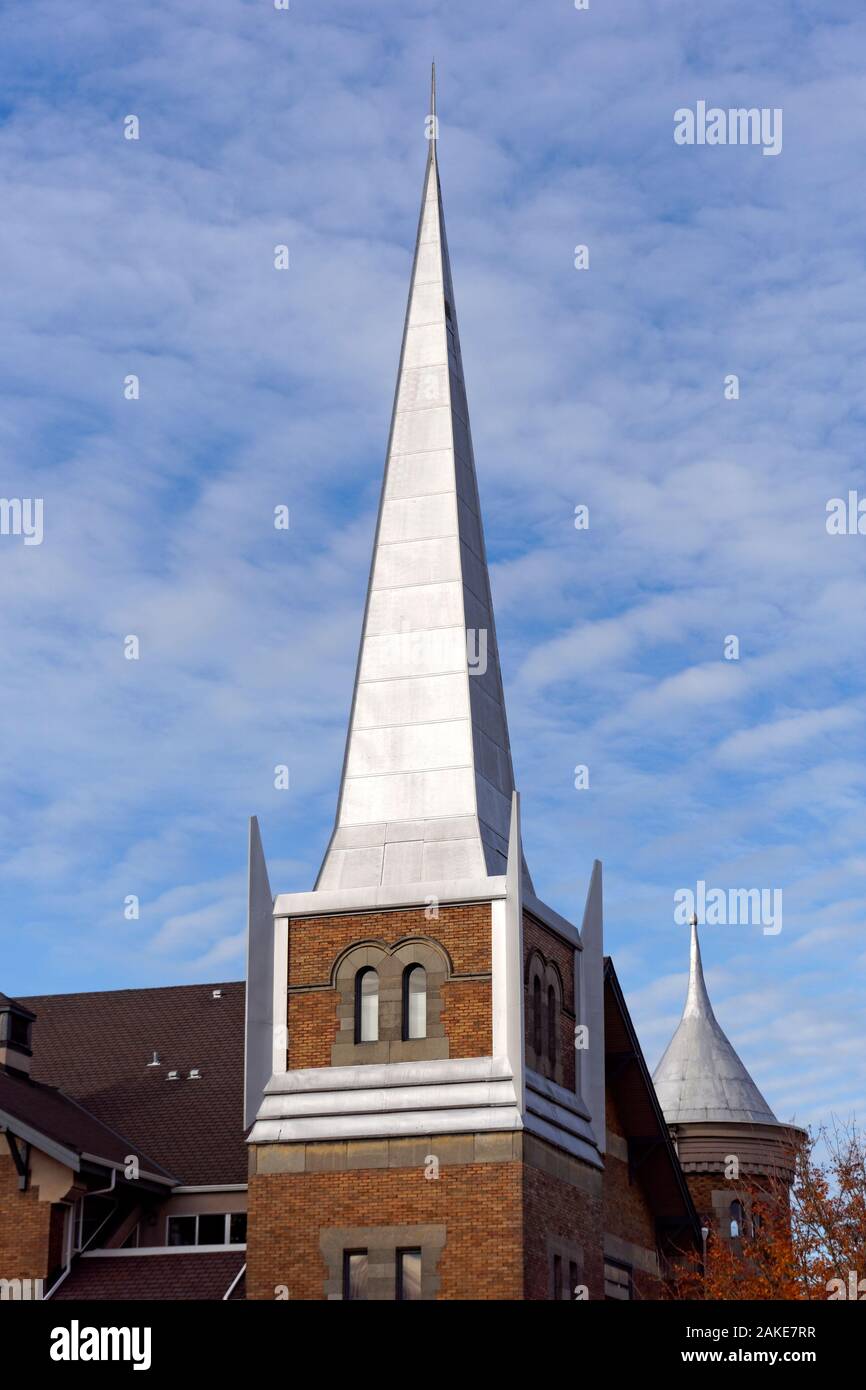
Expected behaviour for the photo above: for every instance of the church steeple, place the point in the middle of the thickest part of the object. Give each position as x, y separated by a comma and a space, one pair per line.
427, 776
700, 1077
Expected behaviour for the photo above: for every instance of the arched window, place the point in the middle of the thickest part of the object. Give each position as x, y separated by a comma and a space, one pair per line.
536, 1016
552, 1026
736, 1215
367, 1005
414, 1002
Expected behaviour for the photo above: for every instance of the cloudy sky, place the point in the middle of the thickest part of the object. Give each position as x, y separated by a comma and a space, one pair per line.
604, 387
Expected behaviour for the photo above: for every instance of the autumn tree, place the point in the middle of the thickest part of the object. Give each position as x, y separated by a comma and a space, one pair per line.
806, 1242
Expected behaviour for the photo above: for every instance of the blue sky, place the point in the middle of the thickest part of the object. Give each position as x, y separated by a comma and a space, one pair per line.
603, 387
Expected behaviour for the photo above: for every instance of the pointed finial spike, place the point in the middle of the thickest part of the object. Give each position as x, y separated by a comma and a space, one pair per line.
433, 89
697, 999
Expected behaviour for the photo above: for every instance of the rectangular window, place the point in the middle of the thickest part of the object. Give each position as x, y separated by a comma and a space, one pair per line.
354, 1274
211, 1229
557, 1276
181, 1230
408, 1275
617, 1280
208, 1228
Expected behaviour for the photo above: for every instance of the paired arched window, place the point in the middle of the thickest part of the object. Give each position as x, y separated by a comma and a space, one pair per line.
414, 1002
367, 1005
544, 1017
736, 1216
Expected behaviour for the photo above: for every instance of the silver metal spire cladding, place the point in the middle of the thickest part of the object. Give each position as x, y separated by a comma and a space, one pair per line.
700, 1077
427, 776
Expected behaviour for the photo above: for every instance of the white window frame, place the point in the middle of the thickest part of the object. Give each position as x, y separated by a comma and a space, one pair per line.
194, 1215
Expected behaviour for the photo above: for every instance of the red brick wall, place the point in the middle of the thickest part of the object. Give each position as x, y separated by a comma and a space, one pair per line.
25, 1228
703, 1185
315, 943
312, 1021
479, 1203
556, 1208
467, 1016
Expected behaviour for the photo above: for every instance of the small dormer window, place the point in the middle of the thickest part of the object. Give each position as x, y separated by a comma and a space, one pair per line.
16, 1035
19, 1029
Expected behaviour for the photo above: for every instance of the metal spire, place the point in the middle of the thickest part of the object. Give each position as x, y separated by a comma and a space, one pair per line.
700, 1077
427, 776
697, 999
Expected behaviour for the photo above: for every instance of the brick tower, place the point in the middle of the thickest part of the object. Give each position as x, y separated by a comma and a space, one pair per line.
731, 1146
423, 1125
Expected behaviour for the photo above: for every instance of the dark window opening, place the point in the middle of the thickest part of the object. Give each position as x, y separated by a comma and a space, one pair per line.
181, 1230
212, 1228
617, 1280
208, 1228
19, 1030
536, 1016
552, 1023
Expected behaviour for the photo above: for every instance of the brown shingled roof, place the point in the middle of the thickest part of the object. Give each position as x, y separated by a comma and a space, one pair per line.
193, 1274
61, 1119
97, 1047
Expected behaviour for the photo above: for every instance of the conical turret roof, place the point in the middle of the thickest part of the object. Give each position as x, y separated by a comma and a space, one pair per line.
700, 1077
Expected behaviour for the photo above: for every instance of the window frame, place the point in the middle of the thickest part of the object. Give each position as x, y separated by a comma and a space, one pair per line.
227, 1216
398, 1288
347, 1275
361, 975
417, 971
628, 1285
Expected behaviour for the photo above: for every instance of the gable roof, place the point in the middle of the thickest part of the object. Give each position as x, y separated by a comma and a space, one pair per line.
41, 1115
97, 1047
